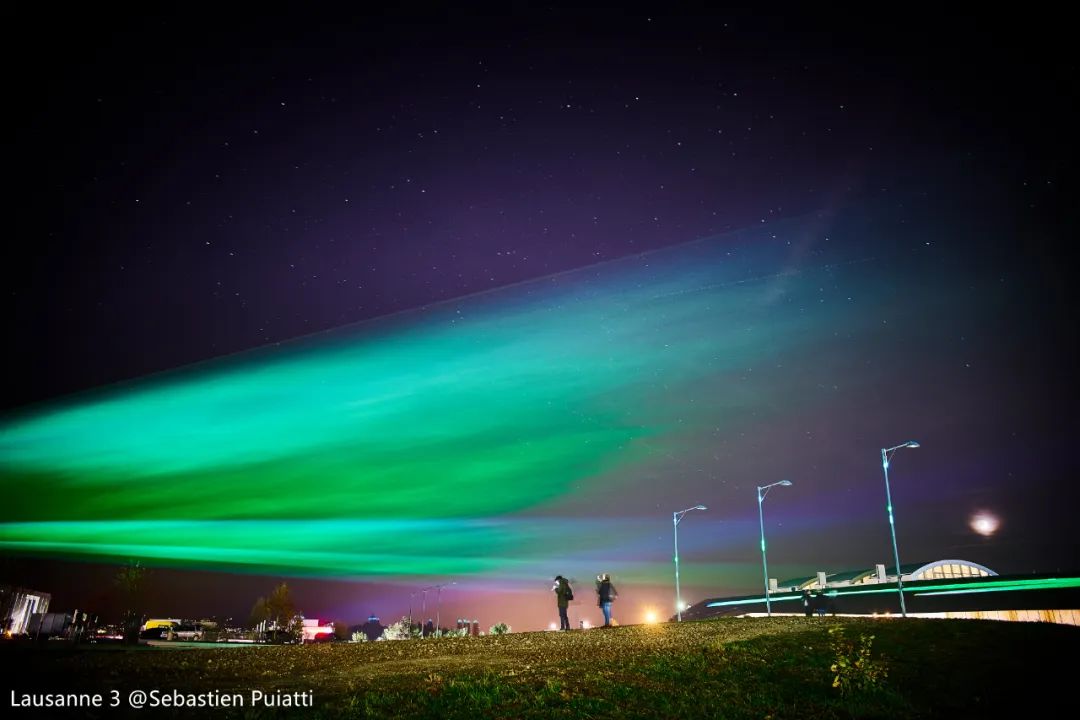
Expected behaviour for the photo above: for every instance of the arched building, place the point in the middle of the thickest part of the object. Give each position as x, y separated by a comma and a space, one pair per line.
937, 570
944, 588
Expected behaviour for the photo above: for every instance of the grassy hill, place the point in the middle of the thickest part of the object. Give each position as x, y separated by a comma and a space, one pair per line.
738, 668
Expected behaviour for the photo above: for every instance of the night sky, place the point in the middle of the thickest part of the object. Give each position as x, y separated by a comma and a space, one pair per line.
517, 285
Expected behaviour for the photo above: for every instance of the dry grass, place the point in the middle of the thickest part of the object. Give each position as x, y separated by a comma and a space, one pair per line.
725, 668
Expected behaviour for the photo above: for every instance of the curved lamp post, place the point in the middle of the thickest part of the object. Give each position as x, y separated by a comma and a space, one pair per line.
675, 518
886, 455
761, 493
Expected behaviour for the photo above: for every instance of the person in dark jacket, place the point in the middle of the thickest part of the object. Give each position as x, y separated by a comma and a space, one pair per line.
563, 593
820, 603
605, 595
807, 610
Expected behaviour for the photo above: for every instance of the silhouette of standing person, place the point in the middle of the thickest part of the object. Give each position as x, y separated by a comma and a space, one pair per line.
563, 594
605, 595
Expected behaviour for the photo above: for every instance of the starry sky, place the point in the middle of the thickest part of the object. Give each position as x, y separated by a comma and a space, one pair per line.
546, 276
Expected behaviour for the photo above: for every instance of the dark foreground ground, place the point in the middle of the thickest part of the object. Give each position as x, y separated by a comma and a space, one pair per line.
739, 668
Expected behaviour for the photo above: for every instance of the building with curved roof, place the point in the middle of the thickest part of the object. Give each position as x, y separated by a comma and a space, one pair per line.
937, 570
943, 588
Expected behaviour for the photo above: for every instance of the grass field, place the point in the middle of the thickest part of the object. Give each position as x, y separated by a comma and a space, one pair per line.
738, 668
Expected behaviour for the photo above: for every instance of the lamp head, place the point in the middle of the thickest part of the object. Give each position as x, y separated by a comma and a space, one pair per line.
784, 483
911, 444
700, 507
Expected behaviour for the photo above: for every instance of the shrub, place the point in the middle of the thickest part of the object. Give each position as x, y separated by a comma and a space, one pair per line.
397, 630
499, 629
453, 632
853, 669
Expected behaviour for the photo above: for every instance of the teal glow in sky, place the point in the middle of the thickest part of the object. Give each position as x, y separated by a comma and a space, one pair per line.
494, 435
385, 448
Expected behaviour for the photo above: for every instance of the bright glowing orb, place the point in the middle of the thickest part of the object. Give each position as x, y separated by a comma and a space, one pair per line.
650, 617
985, 523
553, 626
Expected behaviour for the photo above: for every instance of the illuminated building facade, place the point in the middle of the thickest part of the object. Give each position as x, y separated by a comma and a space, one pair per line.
17, 605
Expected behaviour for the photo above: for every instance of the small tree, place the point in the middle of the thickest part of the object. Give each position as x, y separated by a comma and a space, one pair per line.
279, 612
281, 606
499, 629
359, 637
397, 630
853, 667
259, 613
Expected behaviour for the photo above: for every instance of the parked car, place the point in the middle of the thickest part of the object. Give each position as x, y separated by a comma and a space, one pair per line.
188, 632
161, 632
177, 631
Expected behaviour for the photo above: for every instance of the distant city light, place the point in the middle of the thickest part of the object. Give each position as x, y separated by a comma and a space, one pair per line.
585, 624
553, 626
650, 617
985, 523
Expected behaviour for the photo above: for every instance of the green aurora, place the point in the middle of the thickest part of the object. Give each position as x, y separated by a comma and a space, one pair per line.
429, 442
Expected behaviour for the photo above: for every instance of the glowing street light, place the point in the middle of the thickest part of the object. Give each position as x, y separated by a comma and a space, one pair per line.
886, 455
423, 609
675, 518
438, 602
761, 493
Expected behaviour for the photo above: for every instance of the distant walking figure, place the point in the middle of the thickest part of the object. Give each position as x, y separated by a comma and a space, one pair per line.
605, 594
563, 594
807, 610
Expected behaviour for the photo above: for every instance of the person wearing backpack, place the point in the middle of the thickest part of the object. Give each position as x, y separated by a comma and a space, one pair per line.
563, 594
606, 594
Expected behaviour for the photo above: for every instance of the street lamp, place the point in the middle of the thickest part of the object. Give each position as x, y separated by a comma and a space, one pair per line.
438, 604
886, 455
761, 493
675, 518
423, 610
